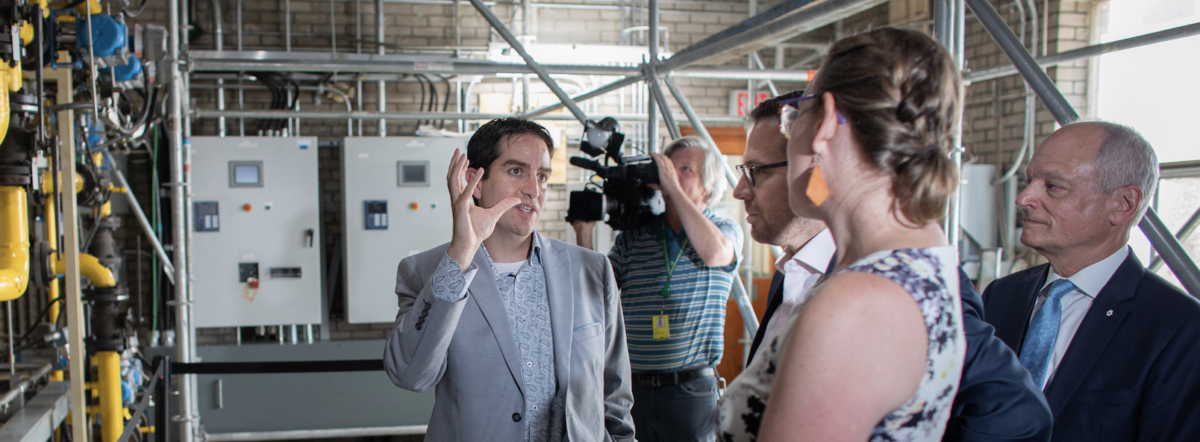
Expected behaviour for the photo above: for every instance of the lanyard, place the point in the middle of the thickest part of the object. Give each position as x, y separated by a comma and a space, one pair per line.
666, 290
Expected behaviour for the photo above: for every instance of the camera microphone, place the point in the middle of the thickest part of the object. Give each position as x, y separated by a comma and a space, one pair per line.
591, 165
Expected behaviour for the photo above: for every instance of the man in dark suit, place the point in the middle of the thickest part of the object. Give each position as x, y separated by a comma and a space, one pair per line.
1116, 348
996, 399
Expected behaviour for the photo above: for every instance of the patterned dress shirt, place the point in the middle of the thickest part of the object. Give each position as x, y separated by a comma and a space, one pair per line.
527, 304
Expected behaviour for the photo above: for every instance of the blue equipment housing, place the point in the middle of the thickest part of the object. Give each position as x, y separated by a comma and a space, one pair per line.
128, 72
108, 35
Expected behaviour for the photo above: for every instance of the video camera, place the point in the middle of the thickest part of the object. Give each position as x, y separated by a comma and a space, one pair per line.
624, 196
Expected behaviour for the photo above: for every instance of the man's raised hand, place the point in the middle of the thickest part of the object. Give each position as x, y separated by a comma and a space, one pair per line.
472, 224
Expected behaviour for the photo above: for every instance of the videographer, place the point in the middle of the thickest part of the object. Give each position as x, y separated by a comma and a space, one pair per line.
675, 274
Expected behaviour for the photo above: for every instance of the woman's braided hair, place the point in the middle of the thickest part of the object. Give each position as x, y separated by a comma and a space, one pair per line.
901, 92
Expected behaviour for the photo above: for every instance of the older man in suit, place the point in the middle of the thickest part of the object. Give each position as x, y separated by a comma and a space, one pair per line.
521, 335
996, 400
1115, 348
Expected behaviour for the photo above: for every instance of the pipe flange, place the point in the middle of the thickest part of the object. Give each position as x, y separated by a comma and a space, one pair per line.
110, 222
41, 268
106, 294
110, 344
7, 179
23, 103
92, 193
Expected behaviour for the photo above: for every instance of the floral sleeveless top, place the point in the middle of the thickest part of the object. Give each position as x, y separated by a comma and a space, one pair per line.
930, 275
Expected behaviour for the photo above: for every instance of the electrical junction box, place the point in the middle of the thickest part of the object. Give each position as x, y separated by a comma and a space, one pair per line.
375, 215
402, 174
256, 247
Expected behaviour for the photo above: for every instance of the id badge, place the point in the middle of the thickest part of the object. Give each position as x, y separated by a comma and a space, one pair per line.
662, 329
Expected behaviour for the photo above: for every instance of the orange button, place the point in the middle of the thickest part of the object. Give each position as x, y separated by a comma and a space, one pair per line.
414, 206
247, 207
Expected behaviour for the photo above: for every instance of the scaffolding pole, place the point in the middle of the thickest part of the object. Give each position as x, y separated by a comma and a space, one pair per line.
1090, 51
517, 46
583, 97
361, 115
1163, 241
648, 73
179, 230
780, 22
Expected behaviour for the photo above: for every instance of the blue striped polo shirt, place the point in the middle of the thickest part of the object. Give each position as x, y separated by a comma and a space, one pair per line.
695, 308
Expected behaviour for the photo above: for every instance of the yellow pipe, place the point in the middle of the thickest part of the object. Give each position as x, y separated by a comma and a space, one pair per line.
45, 6
90, 268
51, 224
10, 79
111, 418
14, 242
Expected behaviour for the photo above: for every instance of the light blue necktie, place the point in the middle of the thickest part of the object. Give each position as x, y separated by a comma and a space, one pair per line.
1043, 332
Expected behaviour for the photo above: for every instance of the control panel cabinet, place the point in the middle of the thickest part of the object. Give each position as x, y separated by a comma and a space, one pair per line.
395, 205
256, 237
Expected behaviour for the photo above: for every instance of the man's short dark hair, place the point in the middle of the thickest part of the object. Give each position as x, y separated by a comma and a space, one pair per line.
770, 108
484, 146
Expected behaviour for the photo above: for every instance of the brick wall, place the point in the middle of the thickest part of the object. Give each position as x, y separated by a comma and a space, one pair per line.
992, 127
994, 115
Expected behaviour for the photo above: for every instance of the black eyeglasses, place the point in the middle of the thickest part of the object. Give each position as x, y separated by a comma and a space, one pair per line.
750, 172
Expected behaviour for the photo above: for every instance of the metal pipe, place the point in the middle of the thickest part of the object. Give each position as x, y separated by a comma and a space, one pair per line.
316, 434
1024, 63
287, 25
656, 92
168, 268
12, 351
92, 61
108, 371
241, 94
219, 39
788, 18
268, 61
517, 46
1162, 239
770, 84
941, 22
583, 97
323, 115
1089, 51
1171, 252
381, 86
651, 77
14, 243
1183, 233
178, 214
686, 107
20, 389
954, 212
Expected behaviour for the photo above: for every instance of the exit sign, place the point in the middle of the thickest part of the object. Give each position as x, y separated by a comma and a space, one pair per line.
740, 105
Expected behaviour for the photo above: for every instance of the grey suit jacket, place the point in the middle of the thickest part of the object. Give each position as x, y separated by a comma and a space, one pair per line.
467, 351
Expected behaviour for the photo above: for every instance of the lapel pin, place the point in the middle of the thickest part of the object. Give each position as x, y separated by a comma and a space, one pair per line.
1109, 313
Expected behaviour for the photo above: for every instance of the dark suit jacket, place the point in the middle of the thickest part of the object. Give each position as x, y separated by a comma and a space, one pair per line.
1132, 372
996, 400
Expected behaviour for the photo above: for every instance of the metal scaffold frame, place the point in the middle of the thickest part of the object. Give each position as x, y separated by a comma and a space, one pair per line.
770, 27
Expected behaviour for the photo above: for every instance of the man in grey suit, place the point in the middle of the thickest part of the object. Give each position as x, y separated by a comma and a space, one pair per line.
532, 349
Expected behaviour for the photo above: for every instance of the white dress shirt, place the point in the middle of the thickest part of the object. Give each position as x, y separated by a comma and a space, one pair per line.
1088, 283
800, 272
